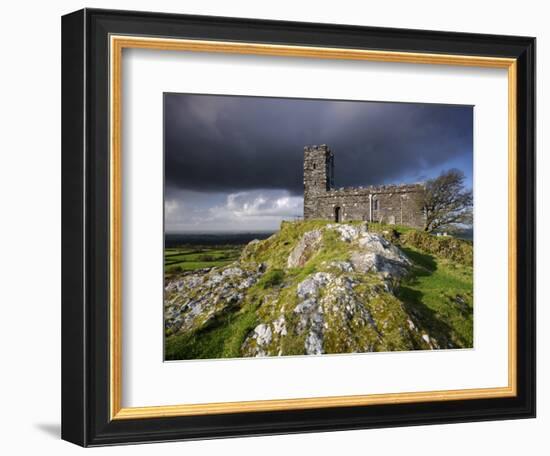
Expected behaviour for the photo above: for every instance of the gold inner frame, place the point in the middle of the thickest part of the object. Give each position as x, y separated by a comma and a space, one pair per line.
117, 44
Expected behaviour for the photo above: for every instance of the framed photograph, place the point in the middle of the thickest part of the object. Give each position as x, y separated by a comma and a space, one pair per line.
278, 227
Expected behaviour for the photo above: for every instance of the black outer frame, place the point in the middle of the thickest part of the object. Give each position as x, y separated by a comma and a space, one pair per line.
85, 227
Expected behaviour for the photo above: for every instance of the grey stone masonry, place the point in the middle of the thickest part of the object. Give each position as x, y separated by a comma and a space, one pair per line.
391, 204
318, 176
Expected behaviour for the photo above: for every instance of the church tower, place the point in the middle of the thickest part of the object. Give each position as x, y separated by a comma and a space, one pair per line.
318, 176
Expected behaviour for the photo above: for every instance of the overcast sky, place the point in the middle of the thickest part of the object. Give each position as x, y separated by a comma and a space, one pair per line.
234, 163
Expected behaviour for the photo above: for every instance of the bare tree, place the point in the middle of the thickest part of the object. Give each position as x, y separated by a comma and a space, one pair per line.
446, 202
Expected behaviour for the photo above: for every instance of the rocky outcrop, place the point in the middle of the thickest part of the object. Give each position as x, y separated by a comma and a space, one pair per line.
190, 302
376, 254
372, 252
310, 312
333, 294
304, 249
348, 233
339, 313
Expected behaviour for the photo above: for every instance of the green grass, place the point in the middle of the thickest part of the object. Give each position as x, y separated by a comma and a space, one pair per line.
191, 258
439, 290
275, 251
220, 339
271, 278
439, 294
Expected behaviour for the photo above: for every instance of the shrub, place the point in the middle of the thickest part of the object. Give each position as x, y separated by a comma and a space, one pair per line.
205, 257
445, 247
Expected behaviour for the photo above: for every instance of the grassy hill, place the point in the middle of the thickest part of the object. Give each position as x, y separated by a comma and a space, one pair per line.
316, 287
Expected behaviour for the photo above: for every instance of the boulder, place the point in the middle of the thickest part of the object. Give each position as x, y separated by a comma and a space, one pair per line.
259, 341
305, 249
195, 299
348, 233
310, 286
262, 334
376, 254
343, 266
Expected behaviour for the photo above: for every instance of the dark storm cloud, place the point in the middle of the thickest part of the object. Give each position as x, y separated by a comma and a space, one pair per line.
228, 144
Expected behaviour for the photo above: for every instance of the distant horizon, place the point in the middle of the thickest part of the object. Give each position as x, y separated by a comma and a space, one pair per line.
206, 233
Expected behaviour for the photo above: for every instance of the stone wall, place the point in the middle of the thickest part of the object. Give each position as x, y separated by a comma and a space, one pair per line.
318, 176
391, 204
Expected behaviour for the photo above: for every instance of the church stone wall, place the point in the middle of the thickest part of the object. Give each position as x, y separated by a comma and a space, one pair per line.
391, 204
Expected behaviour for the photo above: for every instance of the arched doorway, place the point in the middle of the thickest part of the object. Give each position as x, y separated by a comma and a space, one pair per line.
337, 216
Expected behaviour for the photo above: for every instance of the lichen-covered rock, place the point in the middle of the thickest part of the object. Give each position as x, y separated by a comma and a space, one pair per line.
350, 326
376, 254
192, 301
279, 326
348, 233
339, 312
310, 286
376, 243
258, 342
310, 312
342, 266
304, 249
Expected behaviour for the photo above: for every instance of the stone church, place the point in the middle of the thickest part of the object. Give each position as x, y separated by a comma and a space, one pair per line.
391, 204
